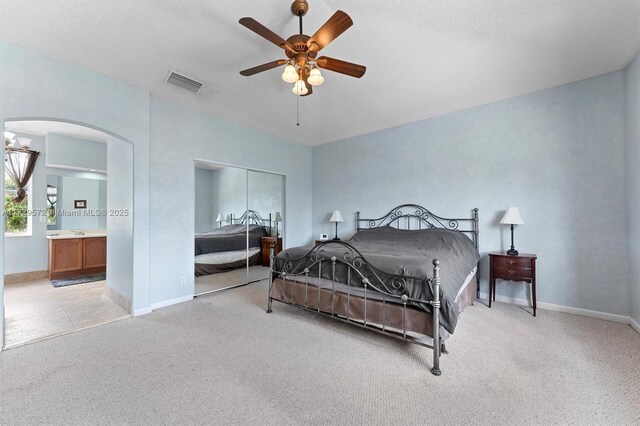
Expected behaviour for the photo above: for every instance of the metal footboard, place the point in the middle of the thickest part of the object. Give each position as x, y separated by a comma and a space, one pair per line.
375, 284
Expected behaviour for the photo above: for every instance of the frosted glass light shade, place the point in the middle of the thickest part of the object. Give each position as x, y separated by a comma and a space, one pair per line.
289, 74
336, 216
300, 88
8, 137
315, 78
24, 142
512, 217
278, 217
220, 218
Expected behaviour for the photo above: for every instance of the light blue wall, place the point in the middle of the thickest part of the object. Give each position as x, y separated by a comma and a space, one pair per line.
229, 192
204, 201
102, 203
633, 181
557, 154
172, 184
120, 202
73, 152
26, 254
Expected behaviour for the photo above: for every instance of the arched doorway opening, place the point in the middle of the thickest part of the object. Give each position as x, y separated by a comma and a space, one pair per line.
70, 235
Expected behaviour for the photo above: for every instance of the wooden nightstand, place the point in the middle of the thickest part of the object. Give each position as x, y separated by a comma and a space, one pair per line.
266, 245
318, 242
518, 268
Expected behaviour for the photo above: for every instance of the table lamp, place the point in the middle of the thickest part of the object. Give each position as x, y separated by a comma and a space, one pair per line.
512, 217
277, 219
220, 219
336, 217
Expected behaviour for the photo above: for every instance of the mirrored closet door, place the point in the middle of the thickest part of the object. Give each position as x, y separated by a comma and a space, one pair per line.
239, 215
265, 194
221, 254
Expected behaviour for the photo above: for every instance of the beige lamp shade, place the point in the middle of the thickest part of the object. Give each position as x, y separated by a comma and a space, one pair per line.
278, 217
220, 218
336, 216
512, 217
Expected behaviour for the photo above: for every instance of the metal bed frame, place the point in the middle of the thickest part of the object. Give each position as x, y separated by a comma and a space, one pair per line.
251, 217
360, 273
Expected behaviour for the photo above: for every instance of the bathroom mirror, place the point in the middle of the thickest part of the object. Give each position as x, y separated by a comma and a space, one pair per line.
76, 203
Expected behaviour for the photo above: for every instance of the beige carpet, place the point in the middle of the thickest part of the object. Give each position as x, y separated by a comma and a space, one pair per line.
222, 360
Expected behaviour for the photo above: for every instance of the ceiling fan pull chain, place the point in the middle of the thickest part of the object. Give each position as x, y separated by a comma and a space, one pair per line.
298, 110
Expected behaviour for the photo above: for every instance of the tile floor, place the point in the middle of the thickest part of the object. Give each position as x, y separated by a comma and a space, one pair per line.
36, 309
223, 280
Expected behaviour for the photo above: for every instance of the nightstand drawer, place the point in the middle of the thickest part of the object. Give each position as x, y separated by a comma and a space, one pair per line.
516, 268
511, 262
511, 272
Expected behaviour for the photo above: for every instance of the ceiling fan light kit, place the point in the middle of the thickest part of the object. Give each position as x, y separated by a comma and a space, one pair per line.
315, 78
299, 88
302, 65
289, 75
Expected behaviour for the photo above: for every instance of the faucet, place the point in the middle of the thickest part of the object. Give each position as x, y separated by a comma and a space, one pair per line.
78, 232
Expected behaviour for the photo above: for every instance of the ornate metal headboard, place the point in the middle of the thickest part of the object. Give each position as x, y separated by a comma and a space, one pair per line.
406, 215
252, 217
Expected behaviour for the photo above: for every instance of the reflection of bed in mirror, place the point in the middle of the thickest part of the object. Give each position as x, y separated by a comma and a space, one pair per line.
225, 248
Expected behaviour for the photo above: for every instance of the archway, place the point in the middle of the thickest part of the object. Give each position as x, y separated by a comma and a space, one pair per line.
118, 211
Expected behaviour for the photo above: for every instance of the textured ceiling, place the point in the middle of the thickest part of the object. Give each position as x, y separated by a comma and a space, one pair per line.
423, 58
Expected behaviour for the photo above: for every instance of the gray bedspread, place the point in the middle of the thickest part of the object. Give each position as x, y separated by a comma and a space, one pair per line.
408, 253
228, 238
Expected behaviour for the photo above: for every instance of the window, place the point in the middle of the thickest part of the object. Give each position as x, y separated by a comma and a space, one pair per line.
17, 220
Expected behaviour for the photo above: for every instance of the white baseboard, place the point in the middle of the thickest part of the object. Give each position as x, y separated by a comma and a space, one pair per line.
634, 324
142, 311
561, 308
170, 302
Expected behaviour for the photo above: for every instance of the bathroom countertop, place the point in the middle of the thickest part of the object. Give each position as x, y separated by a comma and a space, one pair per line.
69, 235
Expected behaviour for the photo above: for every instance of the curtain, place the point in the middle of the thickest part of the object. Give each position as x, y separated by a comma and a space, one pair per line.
19, 166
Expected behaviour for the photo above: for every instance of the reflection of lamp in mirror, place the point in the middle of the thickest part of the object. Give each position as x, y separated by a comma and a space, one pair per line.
220, 219
336, 217
277, 219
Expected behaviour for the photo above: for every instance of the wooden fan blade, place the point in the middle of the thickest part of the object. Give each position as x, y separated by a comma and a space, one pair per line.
343, 67
265, 32
336, 25
263, 67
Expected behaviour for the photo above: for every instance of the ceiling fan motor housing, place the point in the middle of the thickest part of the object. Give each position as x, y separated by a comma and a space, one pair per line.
299, 43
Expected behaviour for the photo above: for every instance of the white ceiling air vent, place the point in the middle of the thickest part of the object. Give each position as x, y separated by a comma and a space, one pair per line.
184, 82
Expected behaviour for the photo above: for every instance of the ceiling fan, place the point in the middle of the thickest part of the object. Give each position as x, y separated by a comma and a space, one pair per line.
301, 50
